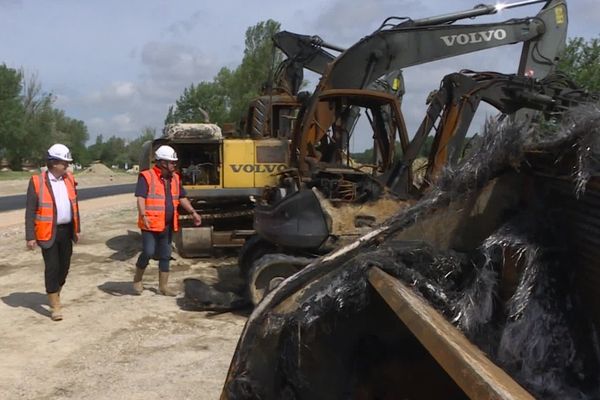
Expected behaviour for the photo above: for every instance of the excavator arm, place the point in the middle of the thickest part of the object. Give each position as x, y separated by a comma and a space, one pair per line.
417, 42
302, 51
452, 108
432, 39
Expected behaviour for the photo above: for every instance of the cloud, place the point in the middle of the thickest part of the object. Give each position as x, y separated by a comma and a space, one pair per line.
114, 124
116, 94
62, 101
123, 122
172, 64
166, 68
344, 22
11, 3
185, 26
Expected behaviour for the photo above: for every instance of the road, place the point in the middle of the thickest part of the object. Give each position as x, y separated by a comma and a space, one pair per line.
8, 203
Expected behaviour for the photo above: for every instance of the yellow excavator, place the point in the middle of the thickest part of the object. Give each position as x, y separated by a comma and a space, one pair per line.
224, 171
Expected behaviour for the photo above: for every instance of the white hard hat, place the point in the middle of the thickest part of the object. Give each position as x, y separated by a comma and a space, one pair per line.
165, 152
59, 152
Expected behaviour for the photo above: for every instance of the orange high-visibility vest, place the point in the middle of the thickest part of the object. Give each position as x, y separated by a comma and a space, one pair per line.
45, 217
156, 200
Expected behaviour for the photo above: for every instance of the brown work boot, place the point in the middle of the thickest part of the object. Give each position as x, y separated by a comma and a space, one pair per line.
56, 309
163, 281
138, 287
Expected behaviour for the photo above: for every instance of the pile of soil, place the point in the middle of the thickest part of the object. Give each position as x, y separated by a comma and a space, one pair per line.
98, 169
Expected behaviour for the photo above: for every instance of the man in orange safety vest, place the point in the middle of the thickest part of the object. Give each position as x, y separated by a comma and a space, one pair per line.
159, 193
52, 221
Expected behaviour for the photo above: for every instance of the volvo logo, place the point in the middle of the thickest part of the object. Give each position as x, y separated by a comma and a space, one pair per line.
474, 37
249, 168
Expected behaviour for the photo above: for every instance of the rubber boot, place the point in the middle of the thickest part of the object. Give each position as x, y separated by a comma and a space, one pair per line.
56, 309
163, 281
138, 287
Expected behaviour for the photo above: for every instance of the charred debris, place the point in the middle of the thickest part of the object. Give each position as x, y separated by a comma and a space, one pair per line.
518, 279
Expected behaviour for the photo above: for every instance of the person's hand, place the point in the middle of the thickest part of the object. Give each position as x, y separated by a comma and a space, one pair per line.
197, 219
146, 221
76, 237
31, 244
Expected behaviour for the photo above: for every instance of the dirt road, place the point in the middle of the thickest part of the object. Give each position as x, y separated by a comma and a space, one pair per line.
111, 344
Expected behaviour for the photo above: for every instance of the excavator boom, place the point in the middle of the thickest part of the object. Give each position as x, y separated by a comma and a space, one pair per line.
431, 39
416, 42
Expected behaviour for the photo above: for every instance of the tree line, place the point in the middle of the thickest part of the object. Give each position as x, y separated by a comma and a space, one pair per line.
30, 124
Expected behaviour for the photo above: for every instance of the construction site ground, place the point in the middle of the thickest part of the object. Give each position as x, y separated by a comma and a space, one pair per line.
111, 344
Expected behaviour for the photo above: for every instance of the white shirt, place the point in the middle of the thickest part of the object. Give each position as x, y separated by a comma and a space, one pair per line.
61, 199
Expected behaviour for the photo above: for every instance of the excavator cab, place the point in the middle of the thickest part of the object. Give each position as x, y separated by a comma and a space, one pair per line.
331, 198
369, 117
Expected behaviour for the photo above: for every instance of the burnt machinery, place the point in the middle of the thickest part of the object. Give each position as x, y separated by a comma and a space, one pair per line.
326, 199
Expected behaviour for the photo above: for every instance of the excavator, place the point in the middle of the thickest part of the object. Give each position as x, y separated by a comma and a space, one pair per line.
483, 287
224, 170
325, 199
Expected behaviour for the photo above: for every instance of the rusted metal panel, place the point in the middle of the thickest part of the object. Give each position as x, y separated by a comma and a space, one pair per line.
468, 366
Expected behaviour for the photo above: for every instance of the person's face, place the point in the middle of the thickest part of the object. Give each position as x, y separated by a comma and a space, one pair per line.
168, 166
58, 168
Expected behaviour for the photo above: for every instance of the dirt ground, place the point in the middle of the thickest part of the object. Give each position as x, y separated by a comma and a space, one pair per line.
110, 344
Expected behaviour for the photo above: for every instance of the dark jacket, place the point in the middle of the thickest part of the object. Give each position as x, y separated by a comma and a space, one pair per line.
31, 206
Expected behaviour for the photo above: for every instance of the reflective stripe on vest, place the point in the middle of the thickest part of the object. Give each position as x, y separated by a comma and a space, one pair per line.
44, 215
155, 201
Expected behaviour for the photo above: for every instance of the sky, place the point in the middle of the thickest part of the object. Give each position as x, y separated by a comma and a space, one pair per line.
119, 65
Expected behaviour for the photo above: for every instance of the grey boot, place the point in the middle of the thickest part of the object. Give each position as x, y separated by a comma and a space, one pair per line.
163, 281
138, 287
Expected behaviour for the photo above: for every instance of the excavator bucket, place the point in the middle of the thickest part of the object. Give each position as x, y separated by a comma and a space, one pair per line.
485, 288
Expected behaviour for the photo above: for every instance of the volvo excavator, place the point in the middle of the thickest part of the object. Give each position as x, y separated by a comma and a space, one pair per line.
223, 172
483, 287
326, 199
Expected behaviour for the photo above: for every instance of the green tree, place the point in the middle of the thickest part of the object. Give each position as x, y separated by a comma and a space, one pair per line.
227, 96
206, 97
113, 151
39, 120
245, 83
29, 123
581, 62
95, 149
12, 117
72, 133
134, 148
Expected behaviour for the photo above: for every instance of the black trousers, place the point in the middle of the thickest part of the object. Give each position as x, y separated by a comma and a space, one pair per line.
57, 258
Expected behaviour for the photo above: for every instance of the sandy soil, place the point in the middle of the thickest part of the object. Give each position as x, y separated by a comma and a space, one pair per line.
111, 344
